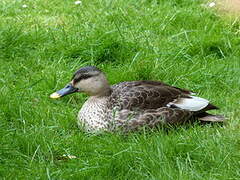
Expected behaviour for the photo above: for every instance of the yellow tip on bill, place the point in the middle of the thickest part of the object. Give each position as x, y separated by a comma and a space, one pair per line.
55, 95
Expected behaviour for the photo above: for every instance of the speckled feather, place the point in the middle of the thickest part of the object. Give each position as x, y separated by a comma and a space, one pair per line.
142, 95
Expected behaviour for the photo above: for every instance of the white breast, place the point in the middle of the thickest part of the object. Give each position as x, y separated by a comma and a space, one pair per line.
92, 115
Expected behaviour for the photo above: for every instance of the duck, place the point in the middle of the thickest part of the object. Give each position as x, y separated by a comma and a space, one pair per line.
133, 105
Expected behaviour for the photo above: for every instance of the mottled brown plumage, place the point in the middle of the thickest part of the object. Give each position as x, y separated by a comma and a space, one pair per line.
134, 104
144, 95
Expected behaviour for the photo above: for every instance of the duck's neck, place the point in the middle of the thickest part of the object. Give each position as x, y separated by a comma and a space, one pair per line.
104, 93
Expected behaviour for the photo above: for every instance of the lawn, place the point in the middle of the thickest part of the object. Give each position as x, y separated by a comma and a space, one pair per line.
180, 42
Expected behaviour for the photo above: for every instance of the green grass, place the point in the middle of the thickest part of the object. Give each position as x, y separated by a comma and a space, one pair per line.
178, 42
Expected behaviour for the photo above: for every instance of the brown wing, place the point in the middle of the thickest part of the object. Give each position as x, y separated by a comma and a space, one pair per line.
131, 121
142, 95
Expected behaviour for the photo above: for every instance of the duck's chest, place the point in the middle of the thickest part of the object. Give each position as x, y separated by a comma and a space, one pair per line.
93, 113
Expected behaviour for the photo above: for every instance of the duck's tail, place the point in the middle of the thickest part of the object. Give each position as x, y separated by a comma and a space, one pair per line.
206, 117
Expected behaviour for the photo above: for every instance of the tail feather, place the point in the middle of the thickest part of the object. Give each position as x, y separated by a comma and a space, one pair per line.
212, 118
210, 107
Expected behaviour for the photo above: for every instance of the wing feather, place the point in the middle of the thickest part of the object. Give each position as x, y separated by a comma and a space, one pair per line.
144, 95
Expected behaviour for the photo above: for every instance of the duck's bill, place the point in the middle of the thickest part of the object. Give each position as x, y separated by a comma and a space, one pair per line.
69, 89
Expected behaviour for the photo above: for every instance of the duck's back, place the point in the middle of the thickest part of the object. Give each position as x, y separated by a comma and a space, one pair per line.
142, 95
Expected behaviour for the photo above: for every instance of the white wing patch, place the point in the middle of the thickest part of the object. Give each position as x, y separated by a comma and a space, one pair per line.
192, 104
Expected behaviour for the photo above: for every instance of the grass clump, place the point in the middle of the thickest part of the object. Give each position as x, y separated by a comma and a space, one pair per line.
178, 42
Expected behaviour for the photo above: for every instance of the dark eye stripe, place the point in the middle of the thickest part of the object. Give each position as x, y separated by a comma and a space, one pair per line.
83, 76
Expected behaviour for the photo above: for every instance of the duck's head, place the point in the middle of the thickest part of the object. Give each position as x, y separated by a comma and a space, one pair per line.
89, 80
